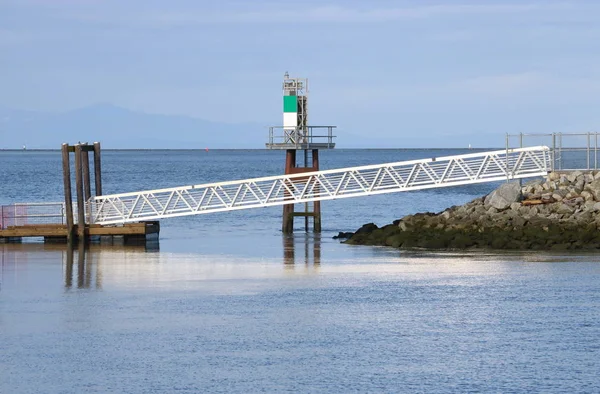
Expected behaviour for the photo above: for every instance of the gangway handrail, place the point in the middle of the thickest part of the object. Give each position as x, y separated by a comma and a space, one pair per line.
358, 181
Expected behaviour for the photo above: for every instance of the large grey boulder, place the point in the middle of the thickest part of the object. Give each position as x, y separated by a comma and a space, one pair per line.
505, 195
594, 188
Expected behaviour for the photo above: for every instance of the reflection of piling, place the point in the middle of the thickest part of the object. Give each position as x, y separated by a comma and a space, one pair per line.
69, 267
82, 264
84, 268
81, 284
311, 245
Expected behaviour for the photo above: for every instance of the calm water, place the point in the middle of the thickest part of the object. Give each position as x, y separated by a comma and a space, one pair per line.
228, 304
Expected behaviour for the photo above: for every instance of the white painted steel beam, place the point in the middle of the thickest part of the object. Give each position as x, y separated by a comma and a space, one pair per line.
321, 185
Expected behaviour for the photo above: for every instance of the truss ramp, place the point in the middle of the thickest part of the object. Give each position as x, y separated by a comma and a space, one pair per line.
321, 185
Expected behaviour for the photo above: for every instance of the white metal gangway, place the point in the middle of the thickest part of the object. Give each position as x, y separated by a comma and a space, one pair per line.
321, 185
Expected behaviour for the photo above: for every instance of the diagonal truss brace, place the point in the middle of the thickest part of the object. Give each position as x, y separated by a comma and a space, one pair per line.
321, 185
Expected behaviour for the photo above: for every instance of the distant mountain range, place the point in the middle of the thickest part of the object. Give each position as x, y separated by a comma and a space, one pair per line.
121, 128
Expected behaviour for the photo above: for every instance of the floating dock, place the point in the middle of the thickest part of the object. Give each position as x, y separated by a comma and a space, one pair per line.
59, 222
128, 233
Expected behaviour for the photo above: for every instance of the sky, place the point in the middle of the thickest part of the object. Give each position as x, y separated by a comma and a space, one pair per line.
414, 73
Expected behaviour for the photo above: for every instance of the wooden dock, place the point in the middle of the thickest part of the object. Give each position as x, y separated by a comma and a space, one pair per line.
59, 233
57, 222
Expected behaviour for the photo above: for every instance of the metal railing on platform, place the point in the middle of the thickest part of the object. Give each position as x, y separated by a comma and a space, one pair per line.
30, 214
23, 214
570, 151
309, 137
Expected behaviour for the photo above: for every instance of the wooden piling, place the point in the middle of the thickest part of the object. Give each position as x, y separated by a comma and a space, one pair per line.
316, 204
97, 169
288, 210
87, 187
80, 200
67, 188
85, 166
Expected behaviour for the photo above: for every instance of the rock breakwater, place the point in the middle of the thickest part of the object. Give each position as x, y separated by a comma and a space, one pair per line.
560, 212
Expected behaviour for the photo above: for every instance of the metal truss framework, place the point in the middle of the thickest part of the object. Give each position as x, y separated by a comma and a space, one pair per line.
321, 185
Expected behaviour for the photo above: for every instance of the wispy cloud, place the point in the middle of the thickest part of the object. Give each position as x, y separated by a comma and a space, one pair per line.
276, 13
503, 85
15, 37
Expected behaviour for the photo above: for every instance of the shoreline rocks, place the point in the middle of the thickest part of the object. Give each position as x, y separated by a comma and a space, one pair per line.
561, 212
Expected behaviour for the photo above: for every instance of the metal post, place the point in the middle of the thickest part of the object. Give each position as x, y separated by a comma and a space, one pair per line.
520, 140
507, 177
80, 200
97, 169
560, 151
520, 146
588, 151
67, 188
595, 150
553, 151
